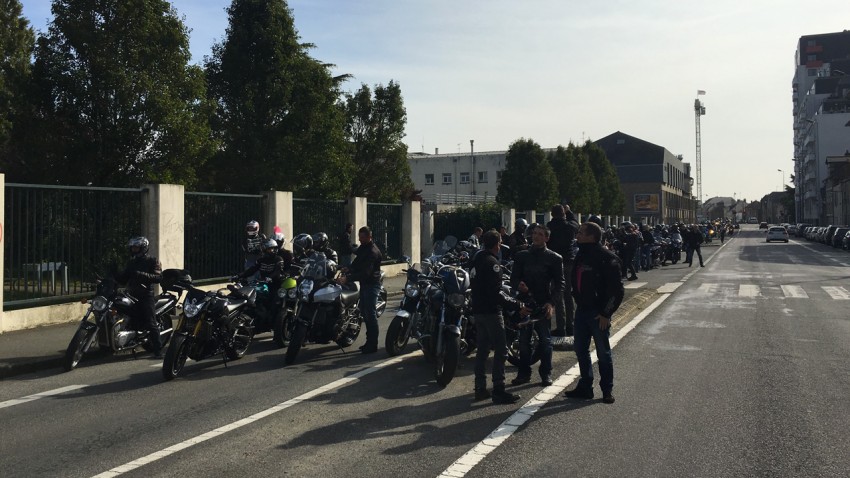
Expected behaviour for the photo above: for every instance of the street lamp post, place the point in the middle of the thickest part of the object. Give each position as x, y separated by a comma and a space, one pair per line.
781, 179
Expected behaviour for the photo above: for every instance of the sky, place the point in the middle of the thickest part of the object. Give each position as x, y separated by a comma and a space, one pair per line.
557, 71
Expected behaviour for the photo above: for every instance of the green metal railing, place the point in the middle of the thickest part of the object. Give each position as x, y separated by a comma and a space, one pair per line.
385, 222
314, 215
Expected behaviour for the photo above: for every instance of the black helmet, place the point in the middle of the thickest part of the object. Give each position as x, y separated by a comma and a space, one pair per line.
142, 243
595, 219
302, 243
252, 228
320, 241
520, 225
270, 247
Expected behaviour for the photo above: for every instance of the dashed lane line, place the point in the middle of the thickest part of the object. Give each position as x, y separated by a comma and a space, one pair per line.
36, 396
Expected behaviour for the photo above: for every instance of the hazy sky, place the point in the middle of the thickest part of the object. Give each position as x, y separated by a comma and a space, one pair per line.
561, 70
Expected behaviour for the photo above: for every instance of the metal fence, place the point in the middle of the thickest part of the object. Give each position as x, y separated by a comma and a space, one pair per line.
57, 238
461, 223
385, 222
214, 231
314, 215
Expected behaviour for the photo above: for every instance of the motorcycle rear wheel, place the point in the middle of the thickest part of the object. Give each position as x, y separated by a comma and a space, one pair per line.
175, 357
513, 348
241, 341
445, 364
397, 336
78, 346
295, 343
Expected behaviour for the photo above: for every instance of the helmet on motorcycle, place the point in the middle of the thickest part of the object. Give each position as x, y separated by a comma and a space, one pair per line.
252, 228
302, 243
270, 247
278, 236
520, 225
595, 219
320, 241
138, 246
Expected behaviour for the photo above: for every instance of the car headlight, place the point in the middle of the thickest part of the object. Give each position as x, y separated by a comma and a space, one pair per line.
99, 304
455, 300
191, 309
305, 287
411, 290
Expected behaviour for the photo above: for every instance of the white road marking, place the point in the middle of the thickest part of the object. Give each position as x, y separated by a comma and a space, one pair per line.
794, 291
708, 289
669, 287
634, 285
465, 463
837, 293
748, 290
30, 398
119, 470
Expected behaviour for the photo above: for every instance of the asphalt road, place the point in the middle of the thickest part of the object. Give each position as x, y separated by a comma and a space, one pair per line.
738, 372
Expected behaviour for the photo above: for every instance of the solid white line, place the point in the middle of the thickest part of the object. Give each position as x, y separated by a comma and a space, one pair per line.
794, 291
247, 420
669, 287
465, 463
29, 398
634, 285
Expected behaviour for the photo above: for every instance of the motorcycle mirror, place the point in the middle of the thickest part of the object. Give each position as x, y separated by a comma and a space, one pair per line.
408, 260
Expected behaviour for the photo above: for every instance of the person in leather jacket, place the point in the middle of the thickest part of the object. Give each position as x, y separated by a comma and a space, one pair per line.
538, 272
321, 243
140, 274
487, 304
598, 292
366, 268
270, 266
563, 226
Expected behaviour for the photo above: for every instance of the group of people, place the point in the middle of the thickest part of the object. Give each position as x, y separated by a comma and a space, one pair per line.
549, 275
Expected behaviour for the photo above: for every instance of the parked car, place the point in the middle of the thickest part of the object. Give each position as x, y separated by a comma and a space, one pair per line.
801, 229
763, 225
777, 233
830, 231
838, 237
792, 229
845, 243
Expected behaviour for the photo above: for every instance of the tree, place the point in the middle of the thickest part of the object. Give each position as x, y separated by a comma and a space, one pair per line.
374, 130
612, 201
576, 183
528, 181
278, 118
116, 102
16, 45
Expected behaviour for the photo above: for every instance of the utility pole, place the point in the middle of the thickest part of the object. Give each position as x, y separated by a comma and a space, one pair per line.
472, 156
699, 110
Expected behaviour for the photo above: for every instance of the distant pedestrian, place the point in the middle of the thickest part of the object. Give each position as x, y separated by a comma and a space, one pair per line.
475, 238
345, 246
564, 227
722, 233
598, 292
695, 240
631, 245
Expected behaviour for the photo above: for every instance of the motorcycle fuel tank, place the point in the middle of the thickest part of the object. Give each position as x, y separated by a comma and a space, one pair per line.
329, 293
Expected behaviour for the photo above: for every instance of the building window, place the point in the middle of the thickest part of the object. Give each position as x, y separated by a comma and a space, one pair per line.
447, 178
464, 178
811, 43
812, 58
482, 176
429, 179
498, 176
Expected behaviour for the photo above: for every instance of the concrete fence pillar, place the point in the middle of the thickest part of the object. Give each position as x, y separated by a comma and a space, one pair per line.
278, 212
547, 216
508, 219
426, 232
2, 244
411, 229
355, 212
579, 217
163, 222
531, 216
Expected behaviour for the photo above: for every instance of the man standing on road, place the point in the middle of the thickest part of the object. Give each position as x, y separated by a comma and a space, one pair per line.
695, 240
487, 303
539, 273
345, 246
631, 244
366, 268
598, 291
563, 226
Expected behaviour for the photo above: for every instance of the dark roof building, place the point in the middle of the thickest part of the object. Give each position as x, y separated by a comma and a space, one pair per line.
656, 183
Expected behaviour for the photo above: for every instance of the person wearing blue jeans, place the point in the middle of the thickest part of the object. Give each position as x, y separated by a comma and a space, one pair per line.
598, 291
366, 268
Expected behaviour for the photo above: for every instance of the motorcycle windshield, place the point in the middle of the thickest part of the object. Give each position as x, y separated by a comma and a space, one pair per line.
315, 267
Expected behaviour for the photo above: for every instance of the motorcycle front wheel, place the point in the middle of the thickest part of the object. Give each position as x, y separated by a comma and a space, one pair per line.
282, 329
513, 347
445, 363
381, 305
397, 336
78, 346
175, 357
298, 336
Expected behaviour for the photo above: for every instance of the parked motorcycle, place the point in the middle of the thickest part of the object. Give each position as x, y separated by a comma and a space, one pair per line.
273, 312
107, 320
213, 323
408, 319
674, 252
326, 312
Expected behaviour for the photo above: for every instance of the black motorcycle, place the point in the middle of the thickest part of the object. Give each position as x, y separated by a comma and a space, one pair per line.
213, 323
326, 311
273, 309
107, 320
408, 319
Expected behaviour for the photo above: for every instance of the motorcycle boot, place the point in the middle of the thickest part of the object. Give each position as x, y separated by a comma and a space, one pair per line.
482, 394
156, 343
502, 397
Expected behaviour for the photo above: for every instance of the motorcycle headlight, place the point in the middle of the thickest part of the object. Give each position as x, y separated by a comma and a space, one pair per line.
191, 309
281, 293
292, 293
455, 300
99, 304
305, 287
411, 290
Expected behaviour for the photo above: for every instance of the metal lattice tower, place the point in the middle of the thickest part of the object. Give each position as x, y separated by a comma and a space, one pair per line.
699, 110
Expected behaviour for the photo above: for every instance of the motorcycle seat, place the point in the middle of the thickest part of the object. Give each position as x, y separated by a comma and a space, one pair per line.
234, 304
350, 294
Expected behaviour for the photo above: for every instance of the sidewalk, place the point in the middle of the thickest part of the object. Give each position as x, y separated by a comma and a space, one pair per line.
43, 348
